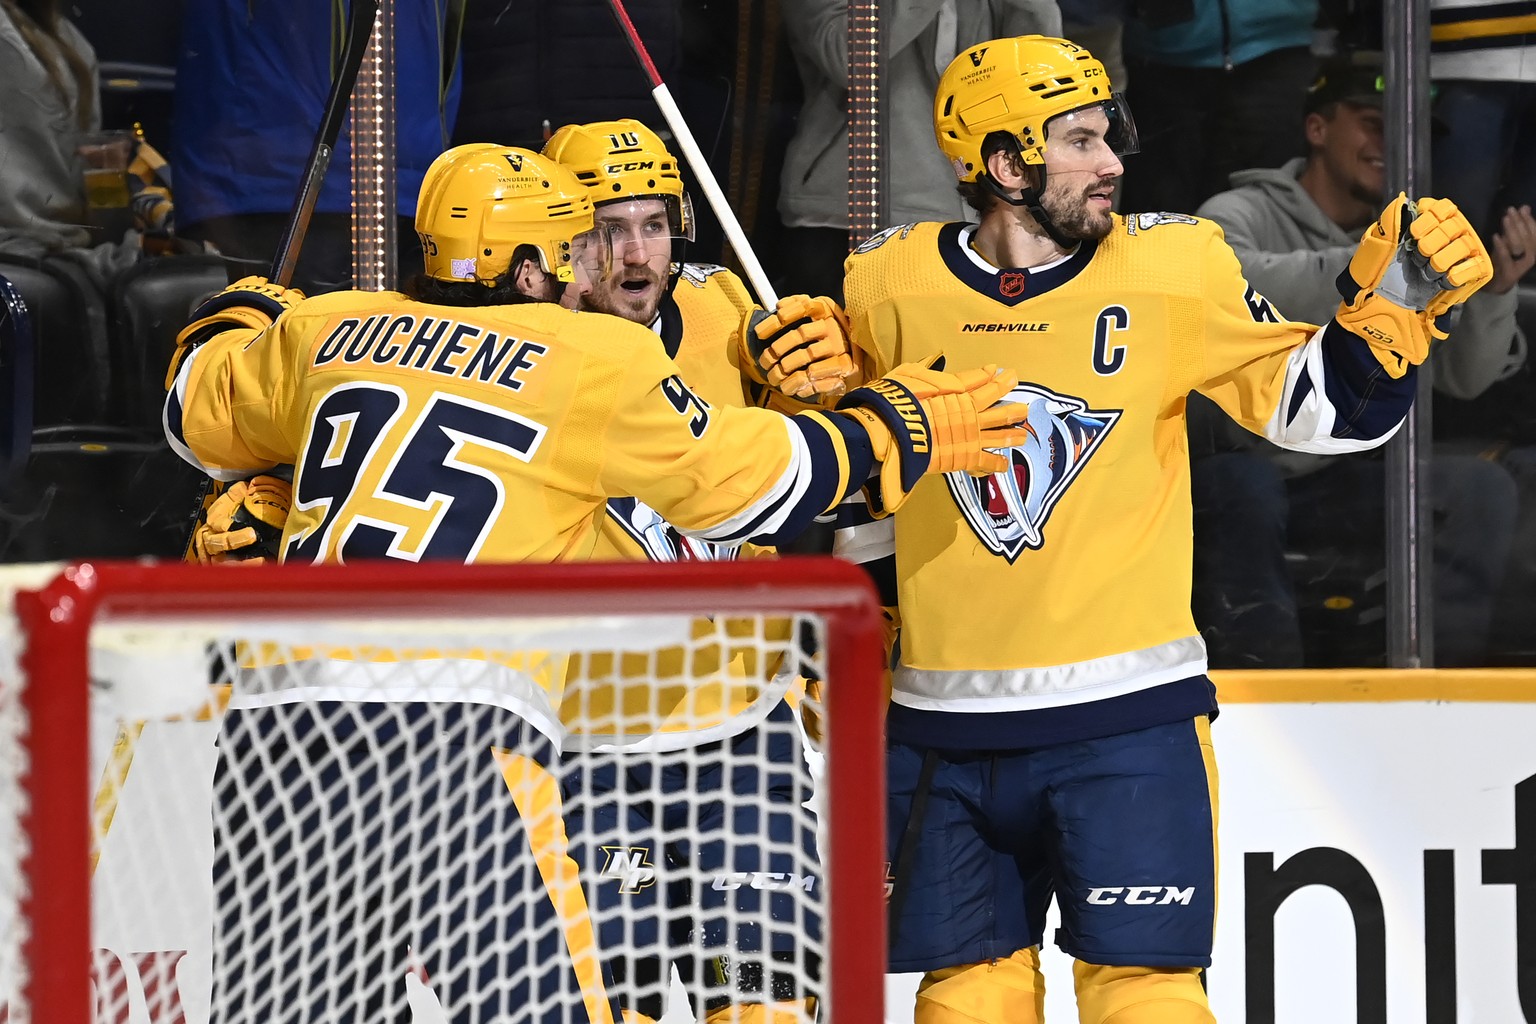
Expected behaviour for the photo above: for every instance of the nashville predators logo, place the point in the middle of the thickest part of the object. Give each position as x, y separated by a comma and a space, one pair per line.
1008, 510
631, 865
660, 540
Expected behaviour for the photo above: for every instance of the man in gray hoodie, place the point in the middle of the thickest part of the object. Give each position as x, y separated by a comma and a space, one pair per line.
921, 38
1293, 229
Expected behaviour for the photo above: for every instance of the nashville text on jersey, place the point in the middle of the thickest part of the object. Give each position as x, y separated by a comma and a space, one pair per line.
1006, 328
434, 344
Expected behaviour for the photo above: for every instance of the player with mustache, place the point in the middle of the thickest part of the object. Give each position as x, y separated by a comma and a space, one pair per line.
702, 316
1049, 732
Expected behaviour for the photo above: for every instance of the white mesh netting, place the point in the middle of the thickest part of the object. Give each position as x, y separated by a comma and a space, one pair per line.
500, 819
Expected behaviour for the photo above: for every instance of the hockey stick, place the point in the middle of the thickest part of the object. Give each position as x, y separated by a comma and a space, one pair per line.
359, 29
696, 162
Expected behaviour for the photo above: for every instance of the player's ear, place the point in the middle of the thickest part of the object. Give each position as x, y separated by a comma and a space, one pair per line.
1007, 168
529, 279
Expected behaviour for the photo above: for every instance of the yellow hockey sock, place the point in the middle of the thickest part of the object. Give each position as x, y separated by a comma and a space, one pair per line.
1006, 991
1140, 995
796, 1012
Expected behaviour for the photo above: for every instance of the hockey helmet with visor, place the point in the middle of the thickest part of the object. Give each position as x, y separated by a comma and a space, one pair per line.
481, 202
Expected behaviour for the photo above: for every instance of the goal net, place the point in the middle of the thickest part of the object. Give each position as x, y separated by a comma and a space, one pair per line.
441, 794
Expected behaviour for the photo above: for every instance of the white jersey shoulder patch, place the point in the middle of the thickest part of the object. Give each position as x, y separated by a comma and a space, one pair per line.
1148, 221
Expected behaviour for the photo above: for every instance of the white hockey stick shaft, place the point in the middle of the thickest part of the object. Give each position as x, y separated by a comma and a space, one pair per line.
750, 266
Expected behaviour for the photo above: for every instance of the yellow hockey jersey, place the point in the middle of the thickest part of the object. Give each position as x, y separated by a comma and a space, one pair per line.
491, 434
708, 691
1055, 596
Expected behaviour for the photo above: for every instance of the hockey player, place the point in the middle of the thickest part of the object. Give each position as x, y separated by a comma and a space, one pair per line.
1049, 731
699, 315
472, 420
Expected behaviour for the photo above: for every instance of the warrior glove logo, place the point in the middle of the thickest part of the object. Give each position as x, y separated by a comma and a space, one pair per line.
1008, 510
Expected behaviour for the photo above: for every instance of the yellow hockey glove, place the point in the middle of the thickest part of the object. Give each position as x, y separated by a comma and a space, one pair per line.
1454, 250
923, 420
801, 348
244, 524
251, 302
1415, 263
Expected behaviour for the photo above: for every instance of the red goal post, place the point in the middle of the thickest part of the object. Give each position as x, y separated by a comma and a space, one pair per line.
57, 664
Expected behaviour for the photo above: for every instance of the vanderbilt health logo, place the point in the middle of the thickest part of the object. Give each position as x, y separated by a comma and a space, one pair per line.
1008, 510
631, 865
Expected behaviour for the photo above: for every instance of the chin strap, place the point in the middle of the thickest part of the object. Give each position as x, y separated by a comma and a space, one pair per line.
1030, 200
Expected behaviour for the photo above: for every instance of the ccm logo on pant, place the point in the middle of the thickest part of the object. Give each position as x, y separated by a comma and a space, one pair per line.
1141, 895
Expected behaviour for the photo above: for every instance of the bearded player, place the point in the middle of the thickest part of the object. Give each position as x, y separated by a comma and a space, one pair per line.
708, 736
1049, 732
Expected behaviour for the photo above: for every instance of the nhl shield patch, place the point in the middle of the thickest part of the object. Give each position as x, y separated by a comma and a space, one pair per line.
1008, 510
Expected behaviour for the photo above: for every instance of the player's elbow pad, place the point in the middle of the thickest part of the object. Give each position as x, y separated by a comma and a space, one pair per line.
252, 303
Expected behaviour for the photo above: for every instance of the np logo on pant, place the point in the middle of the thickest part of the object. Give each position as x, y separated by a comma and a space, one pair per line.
631, 865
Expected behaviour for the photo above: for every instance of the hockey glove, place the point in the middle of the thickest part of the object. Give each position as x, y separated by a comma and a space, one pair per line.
801, 348
1415, 263
245, 523
251, 302
923, 420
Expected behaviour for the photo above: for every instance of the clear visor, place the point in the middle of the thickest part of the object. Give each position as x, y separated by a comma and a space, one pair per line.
645, 226
591, 259
1109, 119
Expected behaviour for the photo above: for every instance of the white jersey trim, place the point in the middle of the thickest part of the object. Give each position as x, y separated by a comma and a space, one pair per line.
867, 542
434, 680
1028, 689
1309, 427
768, 515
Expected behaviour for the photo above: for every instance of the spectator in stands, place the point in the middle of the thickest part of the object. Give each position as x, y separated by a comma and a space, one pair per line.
1099, 26
529, 55
251, 85
921, 37
1293, 229
50, 84
1210, 81
1483, 62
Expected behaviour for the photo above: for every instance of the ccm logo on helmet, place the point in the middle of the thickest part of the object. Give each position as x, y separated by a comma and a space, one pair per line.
1141, 895
633, 165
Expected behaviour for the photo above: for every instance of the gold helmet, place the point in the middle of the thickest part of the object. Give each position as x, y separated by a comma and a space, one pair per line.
1016, 86
624, 160
481, 201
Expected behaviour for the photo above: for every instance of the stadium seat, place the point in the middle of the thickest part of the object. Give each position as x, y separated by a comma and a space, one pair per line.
72, 366
90, 485
149, 305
